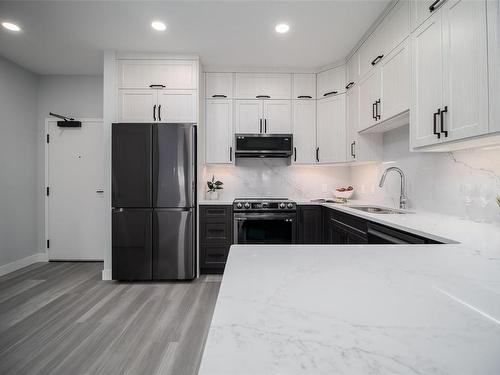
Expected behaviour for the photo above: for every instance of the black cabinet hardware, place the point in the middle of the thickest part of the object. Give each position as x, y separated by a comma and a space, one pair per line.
159, 112
48, 138
231, 153
433, 6
353, 152
317, 154
377, 59
330, 93
304, 97
445, 132
154, 112
99, 191
263, 97
377, 114
349, 85
260, 125
295, 154
373, 110
157, 86
48, 191
219, 96
265, 125
435, 115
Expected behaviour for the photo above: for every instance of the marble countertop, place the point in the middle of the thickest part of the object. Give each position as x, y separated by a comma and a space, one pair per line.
357, 309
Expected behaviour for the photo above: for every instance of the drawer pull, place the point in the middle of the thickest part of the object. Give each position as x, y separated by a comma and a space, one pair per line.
377, 59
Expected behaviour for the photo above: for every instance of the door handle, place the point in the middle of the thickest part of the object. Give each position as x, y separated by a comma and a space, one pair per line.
317, 154
304, 97
377, 59
263, 97
231, 153
157, 86
219, 96
295, 154
99, 191
377, 102
349, 85
435, 115
373, 110
154, 112
260, 125
330, 93
445, 132
433, 6
265, 125
353, 154
159, 112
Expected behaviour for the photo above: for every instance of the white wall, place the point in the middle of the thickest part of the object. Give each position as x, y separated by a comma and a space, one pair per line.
74, 96
435, 181
18, 166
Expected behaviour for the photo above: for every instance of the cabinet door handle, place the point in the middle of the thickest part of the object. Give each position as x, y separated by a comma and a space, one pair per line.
433, 6
159, 112
377, 114
353, 153
219, 96
230, 153
330, 93
317, 154
445, 132
154, 86
295, 154
349, 85
304, 97
434, 120
260, 125
377, 59
263, 97
265, 125
154, 112
373, 110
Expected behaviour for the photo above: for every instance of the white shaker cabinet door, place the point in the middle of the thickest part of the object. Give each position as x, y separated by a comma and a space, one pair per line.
331, 135
369, 100
465, 69
277, 116
304, 131
219, 131
137, 105
218, 85
177, 106
248, 116
304, 86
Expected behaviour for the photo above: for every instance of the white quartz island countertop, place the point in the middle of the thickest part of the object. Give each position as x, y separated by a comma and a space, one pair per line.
337, 309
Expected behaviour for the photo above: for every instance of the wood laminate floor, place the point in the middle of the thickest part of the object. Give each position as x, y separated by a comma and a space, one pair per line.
60, 318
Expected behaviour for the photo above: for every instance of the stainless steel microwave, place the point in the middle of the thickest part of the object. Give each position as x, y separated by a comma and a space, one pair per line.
263, 145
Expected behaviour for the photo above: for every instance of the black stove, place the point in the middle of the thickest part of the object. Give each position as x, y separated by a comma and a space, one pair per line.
264, 204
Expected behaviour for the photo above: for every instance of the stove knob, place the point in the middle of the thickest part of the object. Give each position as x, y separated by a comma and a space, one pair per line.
247, 205
290, 205
265, 205
282, 205
239, 205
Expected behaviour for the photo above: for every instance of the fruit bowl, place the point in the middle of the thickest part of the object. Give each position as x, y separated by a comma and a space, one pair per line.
345, 194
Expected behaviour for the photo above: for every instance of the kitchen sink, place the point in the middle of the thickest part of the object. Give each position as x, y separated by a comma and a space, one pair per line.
380, 210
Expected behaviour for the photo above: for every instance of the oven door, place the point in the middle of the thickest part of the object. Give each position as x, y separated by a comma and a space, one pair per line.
265, 228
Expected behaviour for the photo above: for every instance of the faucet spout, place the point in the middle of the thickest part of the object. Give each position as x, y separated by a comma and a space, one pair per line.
402, 198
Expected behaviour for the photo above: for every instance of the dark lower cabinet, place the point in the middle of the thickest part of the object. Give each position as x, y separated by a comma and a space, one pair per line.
216, 237
310, 225
340, 228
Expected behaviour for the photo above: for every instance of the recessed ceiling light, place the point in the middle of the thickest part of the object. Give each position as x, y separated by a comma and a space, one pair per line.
11, 26
282, 28
158, 25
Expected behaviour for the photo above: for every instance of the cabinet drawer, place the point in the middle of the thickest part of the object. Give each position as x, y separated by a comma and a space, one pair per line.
215, 231
208, 212
215, 255
354, 222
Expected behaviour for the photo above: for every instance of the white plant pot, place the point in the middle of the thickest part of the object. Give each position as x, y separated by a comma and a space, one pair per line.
212, 195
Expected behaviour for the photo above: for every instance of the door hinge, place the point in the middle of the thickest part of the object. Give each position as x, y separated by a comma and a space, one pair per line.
48, 244
48, 191
48, 138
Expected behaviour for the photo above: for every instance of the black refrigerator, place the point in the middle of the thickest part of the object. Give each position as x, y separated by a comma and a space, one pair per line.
154, 201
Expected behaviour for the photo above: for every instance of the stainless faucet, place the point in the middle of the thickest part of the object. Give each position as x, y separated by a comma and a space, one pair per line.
402, 198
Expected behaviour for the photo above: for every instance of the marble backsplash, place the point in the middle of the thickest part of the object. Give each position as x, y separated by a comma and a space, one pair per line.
436, 182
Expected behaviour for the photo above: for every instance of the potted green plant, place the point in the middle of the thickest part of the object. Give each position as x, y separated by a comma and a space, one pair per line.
213, 187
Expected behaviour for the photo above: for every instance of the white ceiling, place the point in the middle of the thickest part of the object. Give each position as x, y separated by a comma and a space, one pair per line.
69, 37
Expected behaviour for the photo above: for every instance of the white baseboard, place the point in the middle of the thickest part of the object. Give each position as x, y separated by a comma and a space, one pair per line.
106, 274
18, 264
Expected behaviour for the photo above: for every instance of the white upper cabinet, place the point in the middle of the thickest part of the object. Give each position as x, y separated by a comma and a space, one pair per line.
331, 129
352, 71
170, 74
466, 69
331, 82
396, 26
277, 116
304, 86
177, 106
369, 100
493, 13
137, 105
248, 116
304, 131
218, 85
371, 53
427, 82
263, 85
395, 82
219, 131
421, 10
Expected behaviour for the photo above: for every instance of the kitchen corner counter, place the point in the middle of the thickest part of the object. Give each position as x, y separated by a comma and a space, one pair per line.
357, 309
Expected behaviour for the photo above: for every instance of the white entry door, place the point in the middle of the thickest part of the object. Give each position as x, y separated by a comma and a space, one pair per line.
76, 210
